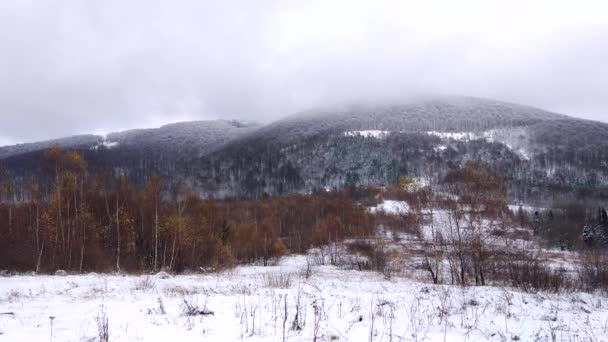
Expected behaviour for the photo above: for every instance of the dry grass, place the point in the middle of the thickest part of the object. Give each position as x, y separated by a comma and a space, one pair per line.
278, 280
144, 283
180, 291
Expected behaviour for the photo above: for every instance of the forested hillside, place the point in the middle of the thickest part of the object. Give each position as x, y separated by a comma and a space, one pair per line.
545, 154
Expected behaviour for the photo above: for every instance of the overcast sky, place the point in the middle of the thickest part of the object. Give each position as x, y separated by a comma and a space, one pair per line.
70, 67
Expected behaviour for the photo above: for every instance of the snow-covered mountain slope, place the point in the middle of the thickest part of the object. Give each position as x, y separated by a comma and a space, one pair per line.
74, 142
203, 136
517, 139
446, 113
353, 145
196, 136
375, 145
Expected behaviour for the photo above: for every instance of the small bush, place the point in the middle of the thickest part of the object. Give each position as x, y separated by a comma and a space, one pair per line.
145, 283
308, 269
103, 327
277, 280
593, 271
530, 273
377, 256
360, 247
188, 308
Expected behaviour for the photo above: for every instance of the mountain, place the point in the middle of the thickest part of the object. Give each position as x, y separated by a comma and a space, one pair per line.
542, 153
75, 142
199, 136
426, 114
138, 153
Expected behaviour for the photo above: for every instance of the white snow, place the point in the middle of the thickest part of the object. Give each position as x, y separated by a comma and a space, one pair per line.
106, 144
460, 136
110, 144
526, 208
421, 182
391, 207
516, 139
248, 304
367, 134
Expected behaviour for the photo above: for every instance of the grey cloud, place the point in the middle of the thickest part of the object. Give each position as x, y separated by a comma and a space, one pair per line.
72, 67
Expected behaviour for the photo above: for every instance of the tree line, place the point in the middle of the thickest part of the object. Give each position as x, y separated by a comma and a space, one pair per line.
85, 222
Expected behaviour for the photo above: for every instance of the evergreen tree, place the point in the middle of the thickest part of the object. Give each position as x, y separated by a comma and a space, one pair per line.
603, 217
537, 222
588, 235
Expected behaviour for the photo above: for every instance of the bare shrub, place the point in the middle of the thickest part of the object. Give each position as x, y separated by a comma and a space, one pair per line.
144, 283
593, 271
188, 308
14, 295
432, 261
160, 310
360, 247
308, 269
445, 303
277, 280
381, 259
335, 257
318, 256
407, 223
318, 312
514, 234
299, 319
285, 313
377, 254
103, 326
530, 272
179, 291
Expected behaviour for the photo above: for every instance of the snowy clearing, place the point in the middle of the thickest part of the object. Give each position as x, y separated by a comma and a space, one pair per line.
515, 139
391, 207
248, 303
367, 134
105, 144
459, 136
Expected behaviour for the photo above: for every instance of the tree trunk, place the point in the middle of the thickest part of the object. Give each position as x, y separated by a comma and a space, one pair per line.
10, 219
84, 237
83, 228
117, 237
69, 243
37, 232
156, 236
39, 257
173, 251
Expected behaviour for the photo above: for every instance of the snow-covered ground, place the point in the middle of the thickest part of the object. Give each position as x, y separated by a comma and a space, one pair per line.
105, 144
296, 301
460, 136
248, 303
367, 134
516, 139
391, 207
526, 208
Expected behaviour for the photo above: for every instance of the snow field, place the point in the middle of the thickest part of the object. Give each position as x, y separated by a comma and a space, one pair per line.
248, 303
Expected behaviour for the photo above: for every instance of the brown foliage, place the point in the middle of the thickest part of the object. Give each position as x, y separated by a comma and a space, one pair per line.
103, 223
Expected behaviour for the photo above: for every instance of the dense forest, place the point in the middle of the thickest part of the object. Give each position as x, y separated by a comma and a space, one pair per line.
545, 155
103, 223
84, 221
